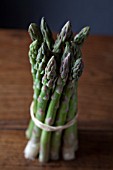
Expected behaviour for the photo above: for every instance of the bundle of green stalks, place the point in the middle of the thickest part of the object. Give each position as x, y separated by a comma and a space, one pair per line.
56, 66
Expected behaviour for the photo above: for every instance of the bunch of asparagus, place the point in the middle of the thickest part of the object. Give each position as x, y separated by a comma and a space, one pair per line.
56, 66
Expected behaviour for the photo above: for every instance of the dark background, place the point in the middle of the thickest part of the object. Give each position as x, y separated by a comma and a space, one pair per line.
96, 13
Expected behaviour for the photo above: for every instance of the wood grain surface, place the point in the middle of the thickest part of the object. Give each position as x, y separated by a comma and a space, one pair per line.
95, 105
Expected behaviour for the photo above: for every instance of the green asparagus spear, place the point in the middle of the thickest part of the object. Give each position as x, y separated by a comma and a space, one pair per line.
35, 33
33, 50
41, 62
65, 35
36, 37
52, 109
47, 34
81, 36
32, 147
64, 107
70, 134
70, 139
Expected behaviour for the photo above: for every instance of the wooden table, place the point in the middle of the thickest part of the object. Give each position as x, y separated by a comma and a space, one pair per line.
95, 105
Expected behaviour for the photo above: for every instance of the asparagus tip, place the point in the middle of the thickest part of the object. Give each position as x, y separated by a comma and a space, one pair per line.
64, 69
68, 23
86, 30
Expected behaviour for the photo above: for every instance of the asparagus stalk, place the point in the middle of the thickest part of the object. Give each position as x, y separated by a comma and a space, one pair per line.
60, 120
47, 34
70, 134
69, 147
41, 62
33, 49
36, 37
70, 139
64, 107
32, 147
52, 109
81, 36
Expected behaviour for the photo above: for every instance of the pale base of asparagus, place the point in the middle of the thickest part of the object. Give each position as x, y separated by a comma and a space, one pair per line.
31, 150
69, 153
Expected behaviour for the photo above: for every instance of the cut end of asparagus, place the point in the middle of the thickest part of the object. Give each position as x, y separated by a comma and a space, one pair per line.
31, 150
68, 153
42, 159
69, 156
